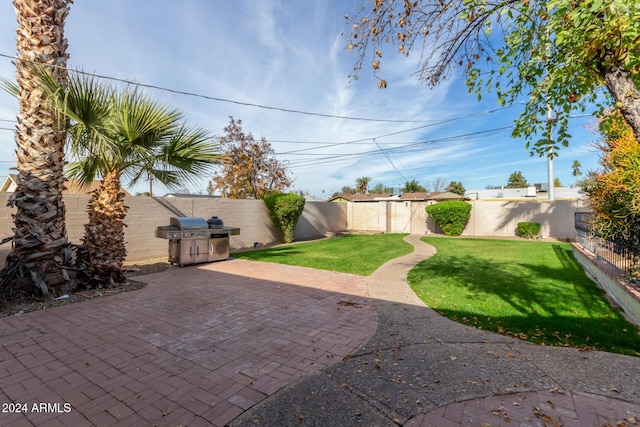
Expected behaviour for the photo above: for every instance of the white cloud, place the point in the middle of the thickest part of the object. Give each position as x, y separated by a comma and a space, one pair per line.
291, 56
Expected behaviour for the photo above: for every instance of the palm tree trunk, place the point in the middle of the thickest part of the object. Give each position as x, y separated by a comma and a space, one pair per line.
104, 245
41, 247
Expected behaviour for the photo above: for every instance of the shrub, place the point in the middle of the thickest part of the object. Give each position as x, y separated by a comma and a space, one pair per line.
529, 230
451, 216
285, 210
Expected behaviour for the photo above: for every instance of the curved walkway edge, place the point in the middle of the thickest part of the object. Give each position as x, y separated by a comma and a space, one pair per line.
420, 369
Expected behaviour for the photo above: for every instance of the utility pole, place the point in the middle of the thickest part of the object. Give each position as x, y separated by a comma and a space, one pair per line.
550, 190
550, 179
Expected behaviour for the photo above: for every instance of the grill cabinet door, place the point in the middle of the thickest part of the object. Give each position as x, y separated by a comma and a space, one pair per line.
194, 251
218, 248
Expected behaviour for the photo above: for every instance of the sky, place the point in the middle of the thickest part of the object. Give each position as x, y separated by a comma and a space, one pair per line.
281, 67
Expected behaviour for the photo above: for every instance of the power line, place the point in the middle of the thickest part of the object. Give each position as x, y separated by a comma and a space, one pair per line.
407, 148
377, 137
250, 104
390, 161
473, 135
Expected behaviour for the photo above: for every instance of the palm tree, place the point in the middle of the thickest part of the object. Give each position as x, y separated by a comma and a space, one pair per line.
575, 169
41, 252
362, 184
115, 135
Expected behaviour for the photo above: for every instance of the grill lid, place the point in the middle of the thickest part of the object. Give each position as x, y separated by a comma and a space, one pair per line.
188, 222
215, 222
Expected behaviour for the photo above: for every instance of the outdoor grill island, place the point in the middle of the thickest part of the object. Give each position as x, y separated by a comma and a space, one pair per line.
194, 240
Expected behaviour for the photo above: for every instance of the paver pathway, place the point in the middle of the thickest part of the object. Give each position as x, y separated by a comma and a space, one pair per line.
197, 346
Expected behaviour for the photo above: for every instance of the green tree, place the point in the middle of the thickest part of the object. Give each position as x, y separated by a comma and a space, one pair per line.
456, 187
558, 53
122, 134
614, 190
41, 253
347, 190
362, 184
380, 189
557, 183
250, 170
576, 170
413, 187
516, 180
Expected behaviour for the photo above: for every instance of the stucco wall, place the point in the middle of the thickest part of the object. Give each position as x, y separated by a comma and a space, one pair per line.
146, 213
387, 217
501, 217
488, 218
612, 280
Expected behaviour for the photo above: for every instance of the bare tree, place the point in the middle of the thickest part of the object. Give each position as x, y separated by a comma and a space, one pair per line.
438, 185
250, 169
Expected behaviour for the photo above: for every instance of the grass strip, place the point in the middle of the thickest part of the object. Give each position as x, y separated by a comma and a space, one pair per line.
532, 290
356, 254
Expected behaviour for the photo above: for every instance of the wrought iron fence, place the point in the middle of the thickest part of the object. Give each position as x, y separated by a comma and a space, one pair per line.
621, 253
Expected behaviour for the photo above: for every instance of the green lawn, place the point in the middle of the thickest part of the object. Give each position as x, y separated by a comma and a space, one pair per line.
357, 254
527, 289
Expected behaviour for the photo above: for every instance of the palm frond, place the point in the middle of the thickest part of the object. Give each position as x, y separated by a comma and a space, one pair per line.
85, 171
141, 120
190, 153
110, 129
10, 87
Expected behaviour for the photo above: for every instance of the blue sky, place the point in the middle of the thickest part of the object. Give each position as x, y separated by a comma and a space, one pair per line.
290, 56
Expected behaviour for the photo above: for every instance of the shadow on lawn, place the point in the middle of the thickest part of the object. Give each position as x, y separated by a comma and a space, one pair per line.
554, 304
479, 278
262, 254
524, 286
580, 332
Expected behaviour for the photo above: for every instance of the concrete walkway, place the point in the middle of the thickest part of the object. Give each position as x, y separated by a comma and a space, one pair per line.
421, 369
251, 343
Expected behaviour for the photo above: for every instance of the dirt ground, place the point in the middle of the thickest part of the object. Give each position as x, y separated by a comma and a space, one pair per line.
133, 269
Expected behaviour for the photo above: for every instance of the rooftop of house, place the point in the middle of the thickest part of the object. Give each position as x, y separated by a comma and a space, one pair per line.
404, 197
532, 192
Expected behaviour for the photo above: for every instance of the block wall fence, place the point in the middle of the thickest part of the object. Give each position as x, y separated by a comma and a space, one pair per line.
488, 218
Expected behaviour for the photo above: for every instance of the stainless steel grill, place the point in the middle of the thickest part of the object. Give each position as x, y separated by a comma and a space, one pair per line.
194, 240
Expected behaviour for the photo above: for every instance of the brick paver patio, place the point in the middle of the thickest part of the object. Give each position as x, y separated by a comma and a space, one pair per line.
197, 346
